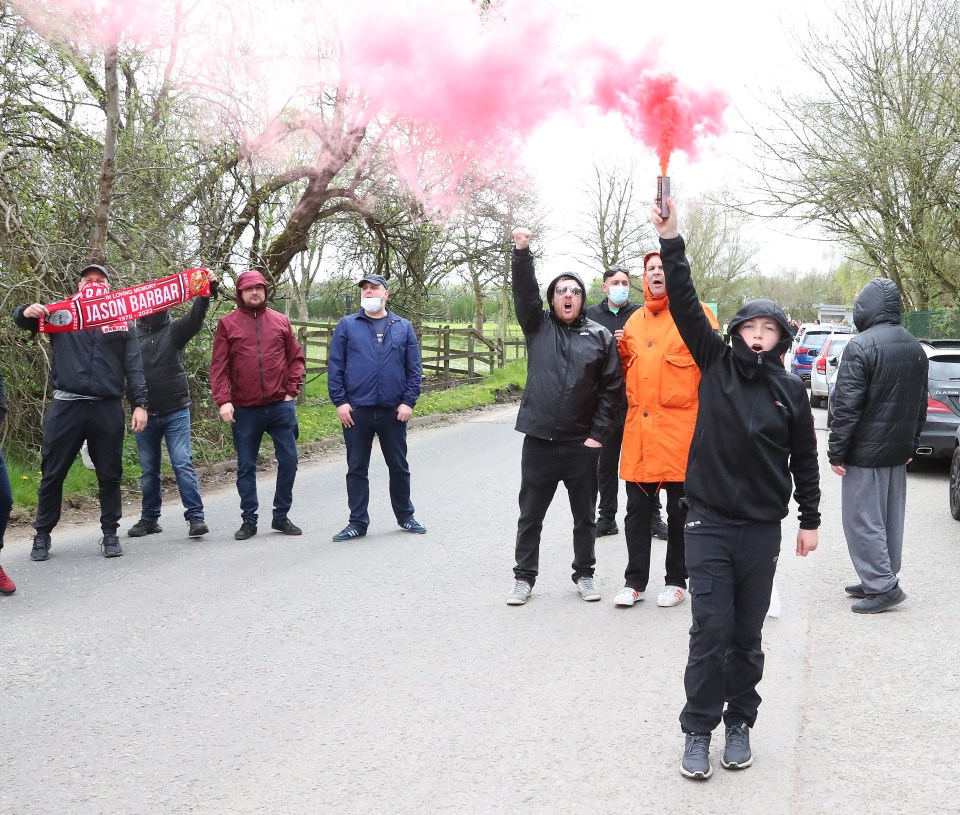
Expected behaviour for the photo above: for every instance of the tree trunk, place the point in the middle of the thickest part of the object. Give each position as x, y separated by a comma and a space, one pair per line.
108, 171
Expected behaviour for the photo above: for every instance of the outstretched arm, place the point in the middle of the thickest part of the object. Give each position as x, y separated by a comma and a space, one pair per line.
694, 326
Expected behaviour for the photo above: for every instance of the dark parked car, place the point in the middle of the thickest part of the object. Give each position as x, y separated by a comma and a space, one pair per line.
806, 346
938, 437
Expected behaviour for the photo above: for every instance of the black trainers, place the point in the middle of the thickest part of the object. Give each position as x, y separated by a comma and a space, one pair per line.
736, 752
246, 530
658, 527
145, 526
198, 527
696, 756
413, 525
110, 546
349, 532
286, 526
875, 603
856, 591
41, 546
606, 526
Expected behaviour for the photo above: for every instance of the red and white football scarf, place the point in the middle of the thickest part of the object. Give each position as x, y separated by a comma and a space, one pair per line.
95, 306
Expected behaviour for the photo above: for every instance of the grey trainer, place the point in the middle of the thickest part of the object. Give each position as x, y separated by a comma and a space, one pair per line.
875, 603
736, 752
588, 589
520, 594
696, 756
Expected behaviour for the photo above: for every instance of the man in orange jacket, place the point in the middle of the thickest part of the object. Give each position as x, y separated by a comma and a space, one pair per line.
662, 381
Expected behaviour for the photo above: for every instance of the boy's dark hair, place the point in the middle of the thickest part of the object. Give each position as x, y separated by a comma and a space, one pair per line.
613, 269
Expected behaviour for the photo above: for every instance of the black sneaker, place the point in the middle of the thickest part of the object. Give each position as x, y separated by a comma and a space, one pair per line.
145, 526
41, 546
658, 528
246, 530
736, 752
110, 546
606, 526
856, 591
198, 527
286, 526
349, 532
413, 525
696, 756
875, 603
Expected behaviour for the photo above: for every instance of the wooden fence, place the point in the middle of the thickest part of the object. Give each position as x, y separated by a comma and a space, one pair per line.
447, 353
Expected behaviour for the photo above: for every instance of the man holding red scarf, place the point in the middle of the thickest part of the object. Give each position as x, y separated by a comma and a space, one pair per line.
88, 372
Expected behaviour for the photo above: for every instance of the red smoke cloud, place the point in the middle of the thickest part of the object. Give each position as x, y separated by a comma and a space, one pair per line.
481, 85
657, 108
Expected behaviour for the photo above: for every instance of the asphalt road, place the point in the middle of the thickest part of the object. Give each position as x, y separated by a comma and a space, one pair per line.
296, 675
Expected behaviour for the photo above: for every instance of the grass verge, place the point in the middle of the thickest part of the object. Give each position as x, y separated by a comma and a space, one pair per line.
317, 418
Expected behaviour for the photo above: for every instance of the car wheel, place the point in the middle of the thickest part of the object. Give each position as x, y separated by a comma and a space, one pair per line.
955, 484
816, 401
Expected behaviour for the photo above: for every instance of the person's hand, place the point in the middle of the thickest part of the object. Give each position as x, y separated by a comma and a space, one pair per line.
138, 421
839, 469
345, 414
592, 443
35, 311
665, 228
226, 412
618, 334
404, 412
807, 540
521, 237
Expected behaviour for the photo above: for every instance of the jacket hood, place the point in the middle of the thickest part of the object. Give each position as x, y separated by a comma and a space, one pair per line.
247, 280
878, 302
583, 303
748, 358
154, 321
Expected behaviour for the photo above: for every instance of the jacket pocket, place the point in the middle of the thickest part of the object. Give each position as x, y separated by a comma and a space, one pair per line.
678, 380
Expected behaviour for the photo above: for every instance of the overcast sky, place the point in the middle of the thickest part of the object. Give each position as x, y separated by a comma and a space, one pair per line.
741, 47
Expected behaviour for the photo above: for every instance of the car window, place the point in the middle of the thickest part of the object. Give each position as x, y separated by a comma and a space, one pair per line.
944, 369
814, 340
836, 345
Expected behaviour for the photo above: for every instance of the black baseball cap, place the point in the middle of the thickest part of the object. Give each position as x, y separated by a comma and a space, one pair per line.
376, 279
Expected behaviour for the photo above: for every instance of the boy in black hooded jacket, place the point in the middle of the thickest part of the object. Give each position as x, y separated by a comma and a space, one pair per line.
754, 428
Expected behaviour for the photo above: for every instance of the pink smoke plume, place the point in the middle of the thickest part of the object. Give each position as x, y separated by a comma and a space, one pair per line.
657, 108
479, 84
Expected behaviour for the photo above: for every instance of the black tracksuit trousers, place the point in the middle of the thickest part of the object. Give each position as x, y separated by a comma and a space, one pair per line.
543, 466
641, 505
68, 423
731, 570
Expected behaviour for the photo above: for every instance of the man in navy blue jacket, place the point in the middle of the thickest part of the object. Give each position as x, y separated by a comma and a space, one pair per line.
374, 380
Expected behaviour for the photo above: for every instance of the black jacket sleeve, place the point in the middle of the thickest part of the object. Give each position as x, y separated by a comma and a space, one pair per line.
185, 328
526, 292
26, 323
611, 394
133, 370
805, 466
706, 346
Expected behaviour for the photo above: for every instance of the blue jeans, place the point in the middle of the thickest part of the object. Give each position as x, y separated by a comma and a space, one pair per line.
175, 429
6, 499
381, 422
279, 421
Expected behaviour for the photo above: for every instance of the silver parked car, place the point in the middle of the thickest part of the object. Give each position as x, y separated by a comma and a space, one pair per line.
825, 363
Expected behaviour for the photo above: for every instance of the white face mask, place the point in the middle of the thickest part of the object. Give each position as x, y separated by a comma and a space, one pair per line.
618, 294
371, 305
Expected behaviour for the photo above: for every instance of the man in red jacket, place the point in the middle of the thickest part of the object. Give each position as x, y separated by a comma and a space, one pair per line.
255, 375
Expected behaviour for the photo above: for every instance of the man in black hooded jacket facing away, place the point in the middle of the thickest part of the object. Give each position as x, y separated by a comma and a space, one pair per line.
880, 407
573, 393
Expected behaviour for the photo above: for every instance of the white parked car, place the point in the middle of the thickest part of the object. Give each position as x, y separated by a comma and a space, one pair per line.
824, 364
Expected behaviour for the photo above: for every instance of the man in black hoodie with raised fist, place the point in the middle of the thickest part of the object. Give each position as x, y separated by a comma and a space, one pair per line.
754, 436
573, 392
162, 341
